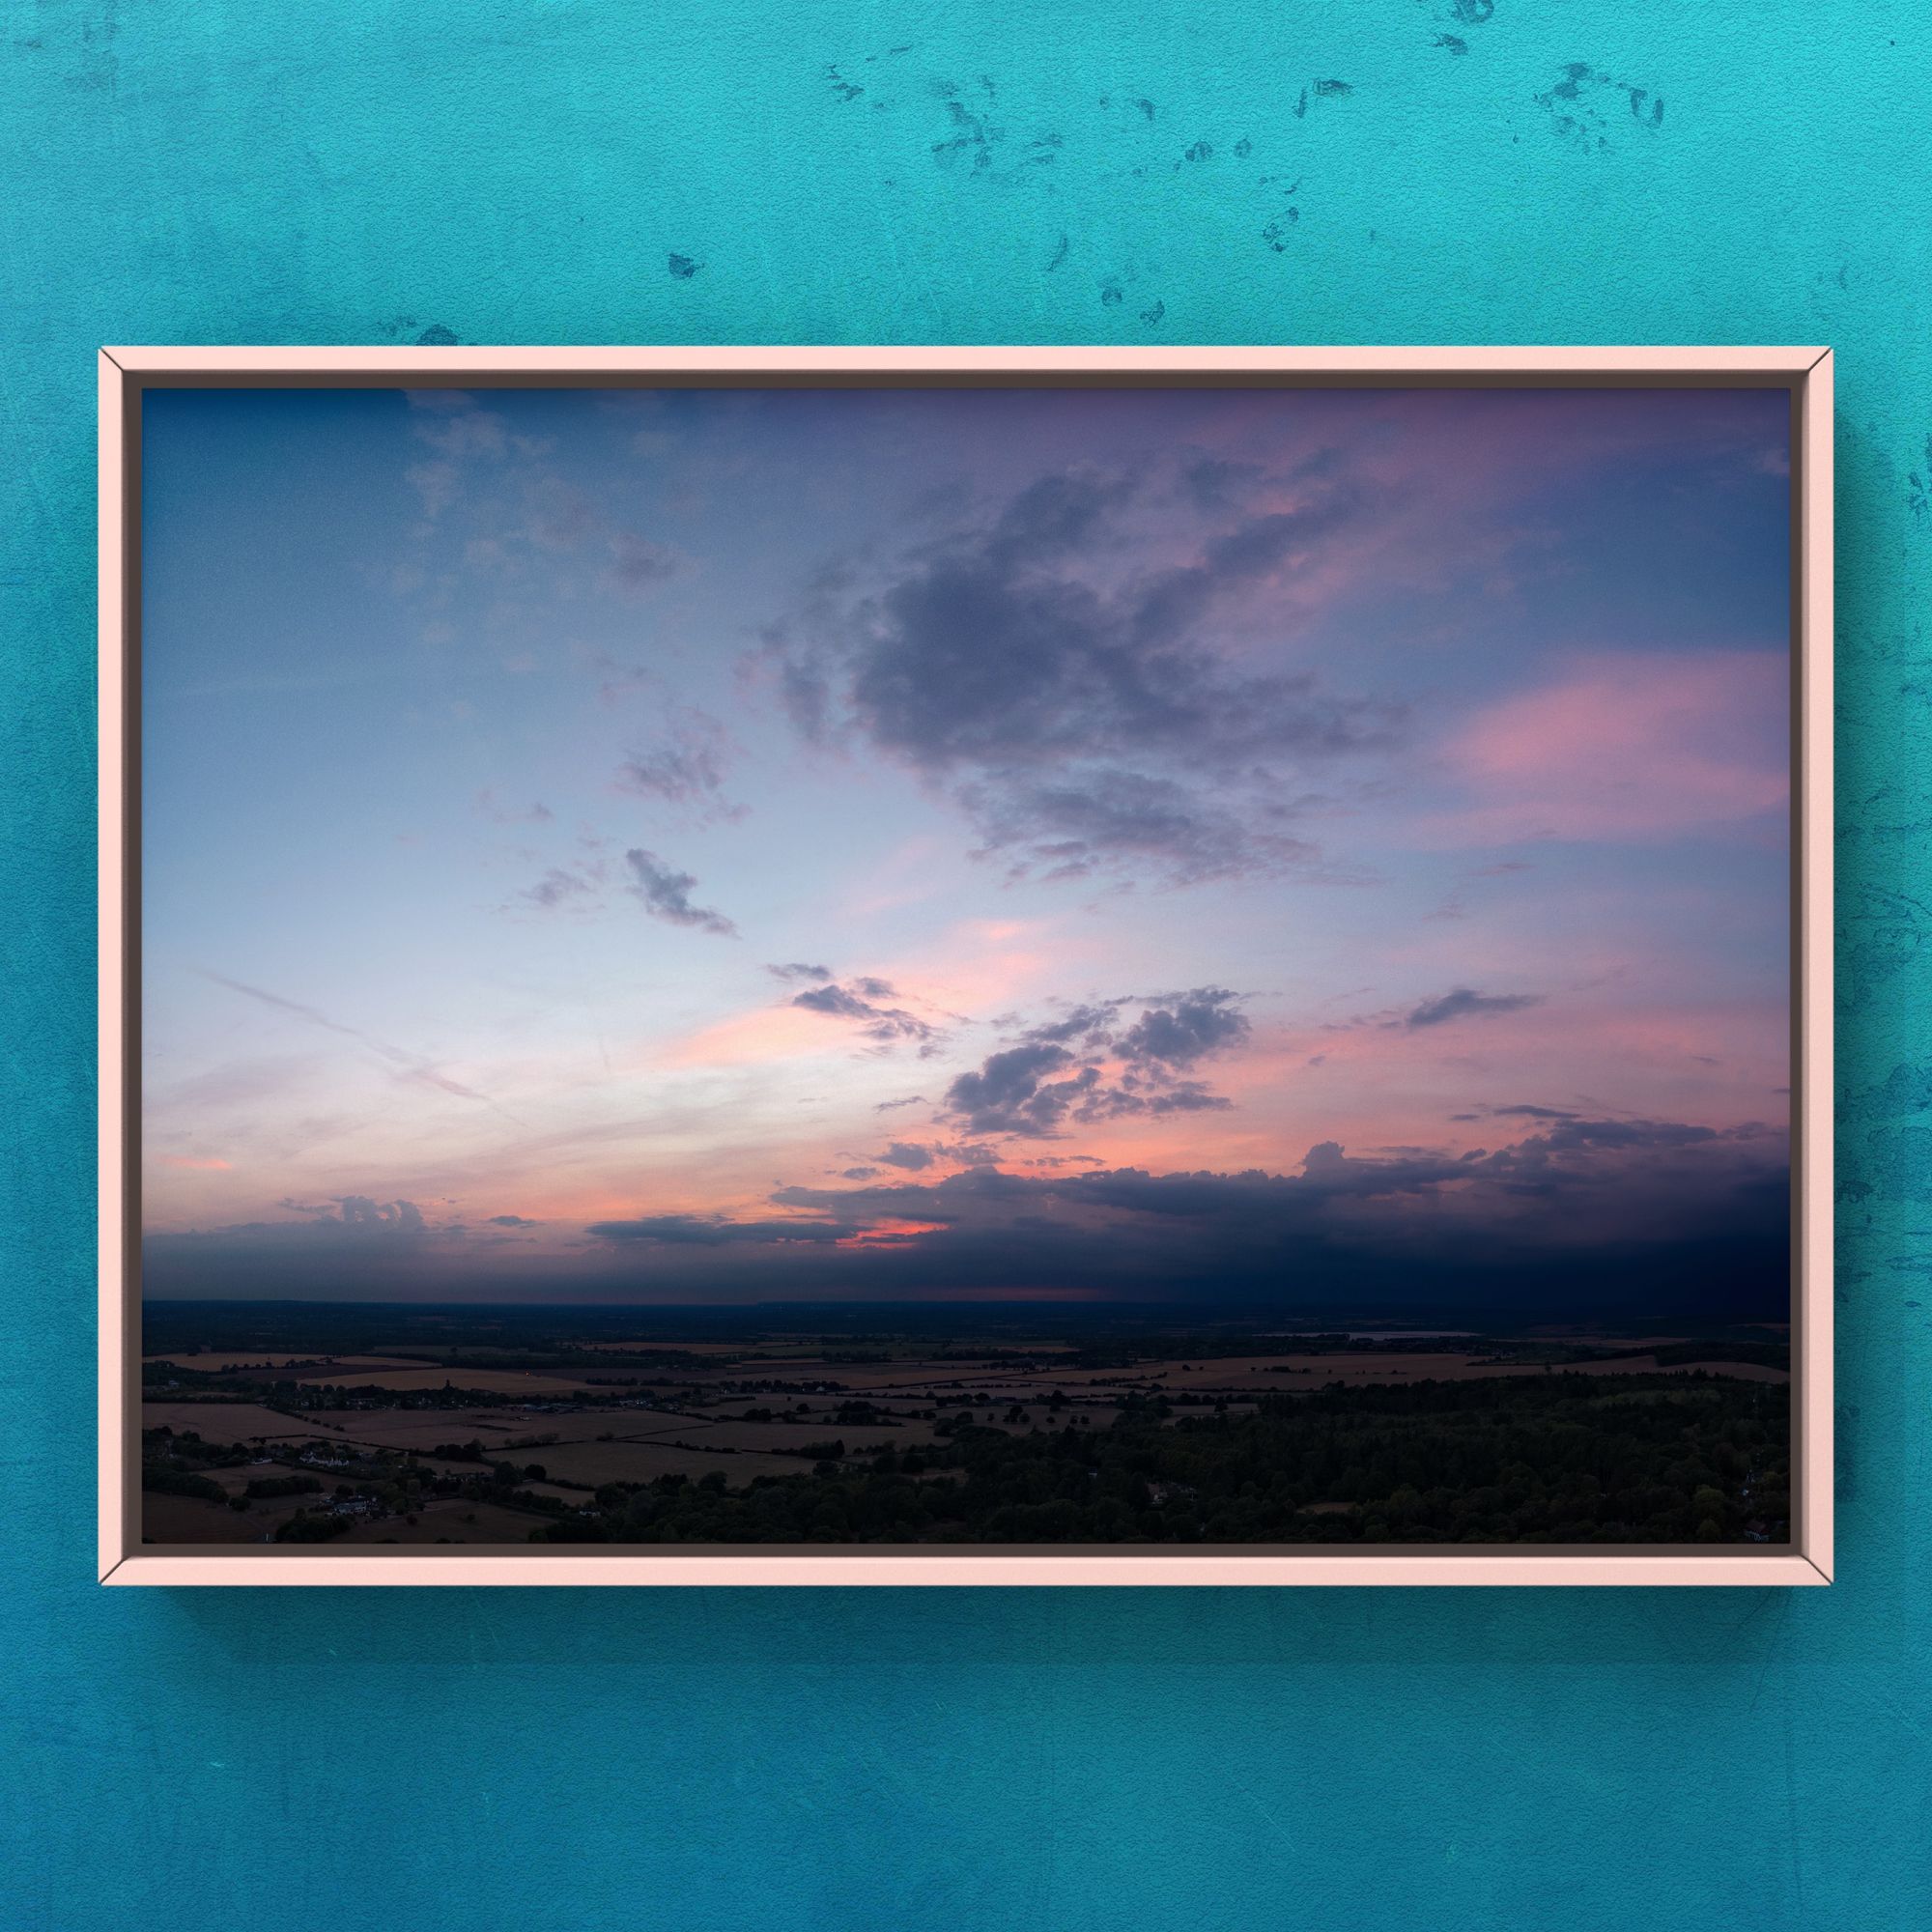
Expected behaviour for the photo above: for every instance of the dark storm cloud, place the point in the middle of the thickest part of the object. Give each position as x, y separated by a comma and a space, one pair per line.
323, 1246
1464, 1002
666, 894
860, 1001
1704, 1209
706, 1231
1079, 710
1646, 1210
351, 1224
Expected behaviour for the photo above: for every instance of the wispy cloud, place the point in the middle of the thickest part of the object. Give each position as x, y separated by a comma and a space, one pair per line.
666, 895
558, 886
686, 767
1464, 1003
536, 813
1628, 746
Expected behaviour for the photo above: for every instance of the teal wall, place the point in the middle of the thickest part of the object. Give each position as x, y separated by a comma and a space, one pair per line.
381, 172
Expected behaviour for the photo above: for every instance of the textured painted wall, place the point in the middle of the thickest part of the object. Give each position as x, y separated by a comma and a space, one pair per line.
1390, 171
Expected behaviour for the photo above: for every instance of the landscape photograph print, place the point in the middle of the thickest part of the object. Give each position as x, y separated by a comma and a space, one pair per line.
1161, 968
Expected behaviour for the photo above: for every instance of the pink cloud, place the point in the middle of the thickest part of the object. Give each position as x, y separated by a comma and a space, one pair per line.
1628, 746
889, 1233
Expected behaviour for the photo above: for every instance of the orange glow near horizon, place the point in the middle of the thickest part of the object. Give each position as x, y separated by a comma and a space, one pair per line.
885, 1233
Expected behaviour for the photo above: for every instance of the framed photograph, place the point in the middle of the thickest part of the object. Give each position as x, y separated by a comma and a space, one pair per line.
965, 966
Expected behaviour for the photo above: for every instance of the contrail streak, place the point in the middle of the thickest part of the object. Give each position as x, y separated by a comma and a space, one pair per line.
415, 1067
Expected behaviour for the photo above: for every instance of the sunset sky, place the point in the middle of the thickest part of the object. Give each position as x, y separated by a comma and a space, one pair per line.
1168, 845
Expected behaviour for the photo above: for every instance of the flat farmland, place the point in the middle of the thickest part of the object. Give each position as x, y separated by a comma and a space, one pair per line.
498, 1381
1254, 1374
221, 1361
793, 1436
168, 1519
190, 1519
1642, 1365
620, 1404
735, 1349
1094, 1413
811, 1374
236, 1480
228, 1422
423, 1429
1357, 1369
863, 1378
454, 1521
646, 1462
